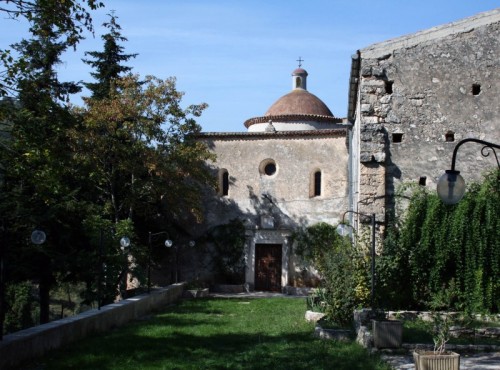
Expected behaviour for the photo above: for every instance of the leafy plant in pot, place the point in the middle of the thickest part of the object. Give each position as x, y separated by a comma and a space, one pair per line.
439, 358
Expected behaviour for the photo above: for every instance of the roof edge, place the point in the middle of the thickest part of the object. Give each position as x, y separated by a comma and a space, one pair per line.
447, 29
341, 131
292, 117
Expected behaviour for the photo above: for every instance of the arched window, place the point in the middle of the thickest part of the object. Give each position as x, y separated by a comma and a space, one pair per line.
298, 83
223, 182
315, 184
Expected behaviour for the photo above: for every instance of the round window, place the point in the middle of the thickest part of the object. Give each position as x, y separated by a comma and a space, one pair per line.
268, 167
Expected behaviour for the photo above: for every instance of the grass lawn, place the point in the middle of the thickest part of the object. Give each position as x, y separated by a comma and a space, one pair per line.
220, 333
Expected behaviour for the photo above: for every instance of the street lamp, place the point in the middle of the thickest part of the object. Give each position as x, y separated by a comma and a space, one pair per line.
124, 244
451, 186
345, 230
38, 237
168, 243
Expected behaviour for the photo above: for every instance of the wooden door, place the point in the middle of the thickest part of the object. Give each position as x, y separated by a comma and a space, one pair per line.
268, 267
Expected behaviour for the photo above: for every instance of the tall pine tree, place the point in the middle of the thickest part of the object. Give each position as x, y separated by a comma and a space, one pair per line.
39, 188
107, 63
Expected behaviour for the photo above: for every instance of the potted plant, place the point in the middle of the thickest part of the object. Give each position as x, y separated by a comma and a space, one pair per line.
439, 358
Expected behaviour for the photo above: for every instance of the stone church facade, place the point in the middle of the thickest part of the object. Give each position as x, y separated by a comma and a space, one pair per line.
411, 100
288, 170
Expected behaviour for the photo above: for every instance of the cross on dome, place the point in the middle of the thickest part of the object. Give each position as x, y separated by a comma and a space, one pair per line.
300, 60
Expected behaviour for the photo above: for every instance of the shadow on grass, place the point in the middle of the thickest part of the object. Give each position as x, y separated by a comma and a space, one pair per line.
215, 335
222, 351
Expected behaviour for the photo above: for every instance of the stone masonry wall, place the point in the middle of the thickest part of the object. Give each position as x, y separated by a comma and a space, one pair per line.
420, 95
286, 194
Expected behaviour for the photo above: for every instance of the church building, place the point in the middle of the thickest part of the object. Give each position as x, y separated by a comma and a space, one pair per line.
411, 101
288, 170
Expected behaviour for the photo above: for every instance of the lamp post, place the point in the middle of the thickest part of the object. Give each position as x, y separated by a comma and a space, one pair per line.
124, 244
168, 243
451, 186
342, 231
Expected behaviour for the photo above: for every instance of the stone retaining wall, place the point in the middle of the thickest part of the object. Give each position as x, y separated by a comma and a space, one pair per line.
29, 343
364, 336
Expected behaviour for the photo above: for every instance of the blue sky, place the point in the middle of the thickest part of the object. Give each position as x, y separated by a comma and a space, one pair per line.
237, 56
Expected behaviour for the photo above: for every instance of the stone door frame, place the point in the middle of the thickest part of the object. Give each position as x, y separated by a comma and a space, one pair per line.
254, 237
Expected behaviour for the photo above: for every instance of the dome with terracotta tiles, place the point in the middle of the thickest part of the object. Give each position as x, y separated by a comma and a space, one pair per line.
297, 110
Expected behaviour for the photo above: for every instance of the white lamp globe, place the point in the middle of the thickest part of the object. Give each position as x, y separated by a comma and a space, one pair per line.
451, 187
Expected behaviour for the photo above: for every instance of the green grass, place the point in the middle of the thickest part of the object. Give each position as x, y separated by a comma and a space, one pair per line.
266, 333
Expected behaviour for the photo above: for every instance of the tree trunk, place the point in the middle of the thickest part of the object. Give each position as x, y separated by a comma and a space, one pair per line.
44, 291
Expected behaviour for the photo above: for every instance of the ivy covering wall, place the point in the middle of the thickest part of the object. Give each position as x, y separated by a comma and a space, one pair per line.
439, 248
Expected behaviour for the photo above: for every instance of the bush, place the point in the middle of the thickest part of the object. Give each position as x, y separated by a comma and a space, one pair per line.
341, 266
20, 304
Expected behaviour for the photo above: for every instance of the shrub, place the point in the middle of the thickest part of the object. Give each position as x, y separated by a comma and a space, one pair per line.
341, 266
20, 305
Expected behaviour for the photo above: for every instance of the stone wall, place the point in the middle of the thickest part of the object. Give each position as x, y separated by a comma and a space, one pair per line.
418, 96
23, 345
286, 195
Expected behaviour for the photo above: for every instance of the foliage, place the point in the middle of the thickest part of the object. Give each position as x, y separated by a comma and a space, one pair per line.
229, 257
440, 247
316, 301
19, 314
216, 334
341, 265
128, 161
107, 63
420, 331
138, 149
111, 263
66, 20
40, 187
442, 322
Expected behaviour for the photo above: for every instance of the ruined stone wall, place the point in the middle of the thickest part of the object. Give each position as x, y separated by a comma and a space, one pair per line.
418, 96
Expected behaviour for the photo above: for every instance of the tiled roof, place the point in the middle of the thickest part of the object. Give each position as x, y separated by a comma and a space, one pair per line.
293, 118
337, 132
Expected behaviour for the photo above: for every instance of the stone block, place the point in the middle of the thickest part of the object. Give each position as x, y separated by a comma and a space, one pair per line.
313, 316
378, 71
366, 108
366, 71
369, 119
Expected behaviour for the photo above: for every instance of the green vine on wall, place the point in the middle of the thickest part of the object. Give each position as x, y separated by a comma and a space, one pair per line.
437, 246
229, 258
